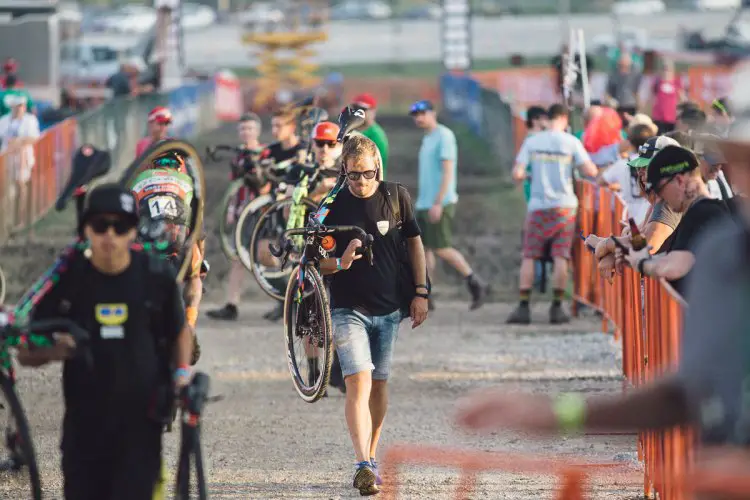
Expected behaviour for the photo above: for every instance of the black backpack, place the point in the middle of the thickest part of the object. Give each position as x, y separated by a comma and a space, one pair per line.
406, 284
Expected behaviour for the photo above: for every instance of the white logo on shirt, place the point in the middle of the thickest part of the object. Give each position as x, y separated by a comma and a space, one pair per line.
383, 226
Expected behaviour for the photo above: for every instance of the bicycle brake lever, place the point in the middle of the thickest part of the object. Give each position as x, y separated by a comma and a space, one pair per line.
287, 250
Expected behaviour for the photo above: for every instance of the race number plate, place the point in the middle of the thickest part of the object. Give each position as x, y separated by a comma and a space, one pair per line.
162, 206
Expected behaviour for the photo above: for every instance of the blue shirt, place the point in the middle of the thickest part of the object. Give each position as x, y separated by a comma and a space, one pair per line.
552, 155
437, 146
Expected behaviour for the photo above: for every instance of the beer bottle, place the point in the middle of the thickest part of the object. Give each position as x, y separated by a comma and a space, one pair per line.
636, 238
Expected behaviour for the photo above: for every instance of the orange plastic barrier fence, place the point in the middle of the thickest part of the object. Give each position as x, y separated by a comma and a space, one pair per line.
573, 473
647, 315
23, 203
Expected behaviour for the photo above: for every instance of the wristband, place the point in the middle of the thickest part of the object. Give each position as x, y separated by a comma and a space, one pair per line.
338, 264
422, 295
421, 286
570, 410
191, 315
182, 371
642, 263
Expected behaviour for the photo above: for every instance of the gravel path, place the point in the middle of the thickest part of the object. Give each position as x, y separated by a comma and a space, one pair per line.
262, 441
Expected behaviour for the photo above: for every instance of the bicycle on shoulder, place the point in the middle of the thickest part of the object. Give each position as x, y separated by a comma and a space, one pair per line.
308, 330
15, 332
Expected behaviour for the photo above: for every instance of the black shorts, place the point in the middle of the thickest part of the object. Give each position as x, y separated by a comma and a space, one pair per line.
127, 470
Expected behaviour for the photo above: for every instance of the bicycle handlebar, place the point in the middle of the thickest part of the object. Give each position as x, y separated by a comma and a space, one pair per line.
365, 249
44, 328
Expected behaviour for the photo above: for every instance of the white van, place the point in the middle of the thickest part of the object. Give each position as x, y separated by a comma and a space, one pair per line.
716, 4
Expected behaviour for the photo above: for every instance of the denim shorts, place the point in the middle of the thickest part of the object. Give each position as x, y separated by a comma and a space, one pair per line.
365, 342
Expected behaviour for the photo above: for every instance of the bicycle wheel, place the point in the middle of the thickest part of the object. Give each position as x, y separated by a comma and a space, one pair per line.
18, 444
271, 224
307, 324
226, 229
2, 286
243, 229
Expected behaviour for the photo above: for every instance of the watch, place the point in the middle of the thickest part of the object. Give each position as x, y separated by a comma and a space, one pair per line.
641, 264
422, 295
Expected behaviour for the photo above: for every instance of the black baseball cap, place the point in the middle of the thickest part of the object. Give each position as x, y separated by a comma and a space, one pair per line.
649, 149
670, 161
110, 199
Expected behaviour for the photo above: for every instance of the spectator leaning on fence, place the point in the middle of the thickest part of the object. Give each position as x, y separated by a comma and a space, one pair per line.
720, 115
674, 176
552, 208
372, 129
623, 179
19, 130
437, 198
712, 163
10, 68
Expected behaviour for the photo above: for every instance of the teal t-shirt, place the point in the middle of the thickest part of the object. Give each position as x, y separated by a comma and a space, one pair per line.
437, 146
377, 135
5, 109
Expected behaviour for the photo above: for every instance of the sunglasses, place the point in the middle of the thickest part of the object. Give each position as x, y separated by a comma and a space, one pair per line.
167, 162
320, 143
420, 107
367, 174
101, 225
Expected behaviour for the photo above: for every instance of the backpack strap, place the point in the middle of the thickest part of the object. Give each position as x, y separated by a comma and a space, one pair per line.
390, 189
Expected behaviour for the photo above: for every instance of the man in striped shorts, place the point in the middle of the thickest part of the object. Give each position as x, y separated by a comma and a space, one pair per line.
552, 155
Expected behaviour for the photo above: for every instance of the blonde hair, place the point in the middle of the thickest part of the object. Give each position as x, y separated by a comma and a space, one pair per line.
358, 147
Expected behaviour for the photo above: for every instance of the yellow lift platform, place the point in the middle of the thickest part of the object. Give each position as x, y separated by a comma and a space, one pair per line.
275, 70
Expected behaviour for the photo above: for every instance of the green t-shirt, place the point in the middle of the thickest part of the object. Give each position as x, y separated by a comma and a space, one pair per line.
377, 135
5, 109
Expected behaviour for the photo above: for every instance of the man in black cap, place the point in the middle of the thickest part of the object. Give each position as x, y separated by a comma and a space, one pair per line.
674, 176
118, 398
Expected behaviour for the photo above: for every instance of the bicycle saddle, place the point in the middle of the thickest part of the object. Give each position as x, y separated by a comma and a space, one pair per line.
350, 119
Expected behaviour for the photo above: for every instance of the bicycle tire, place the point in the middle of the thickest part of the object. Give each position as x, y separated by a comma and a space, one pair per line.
226, 232
22, 435
2, 286
195, 170
249, 215
265, 278
309, 394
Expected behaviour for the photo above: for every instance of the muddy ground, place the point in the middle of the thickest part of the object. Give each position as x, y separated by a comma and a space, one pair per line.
263, 442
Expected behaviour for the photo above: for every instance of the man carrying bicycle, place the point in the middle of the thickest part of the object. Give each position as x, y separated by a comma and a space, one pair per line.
120, 388
366, 301
249, 130
164, 194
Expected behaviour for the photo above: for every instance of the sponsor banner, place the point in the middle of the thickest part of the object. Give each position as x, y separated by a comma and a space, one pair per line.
461, 100
183, 102
229, 99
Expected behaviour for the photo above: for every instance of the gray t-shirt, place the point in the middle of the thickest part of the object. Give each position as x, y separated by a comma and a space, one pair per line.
624, 87
715, 364
662, 213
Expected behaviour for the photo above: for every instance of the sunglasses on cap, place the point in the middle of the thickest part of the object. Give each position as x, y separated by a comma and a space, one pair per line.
367, 174
320, 143
420, 107
101, 225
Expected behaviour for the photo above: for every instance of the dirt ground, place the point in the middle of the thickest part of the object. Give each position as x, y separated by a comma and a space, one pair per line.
263, 442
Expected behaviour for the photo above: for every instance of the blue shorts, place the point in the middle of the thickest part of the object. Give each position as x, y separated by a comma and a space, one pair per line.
365, 342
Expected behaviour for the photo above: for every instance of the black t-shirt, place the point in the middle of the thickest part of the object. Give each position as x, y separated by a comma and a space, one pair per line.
701, 214
118, 389
372, 290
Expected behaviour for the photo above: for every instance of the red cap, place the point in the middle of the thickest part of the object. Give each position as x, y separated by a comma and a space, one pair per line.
326, 131
10, 65
160, 114
366, 101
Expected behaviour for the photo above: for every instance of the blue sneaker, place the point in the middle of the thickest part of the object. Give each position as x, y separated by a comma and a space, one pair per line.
364, 479
378, 479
